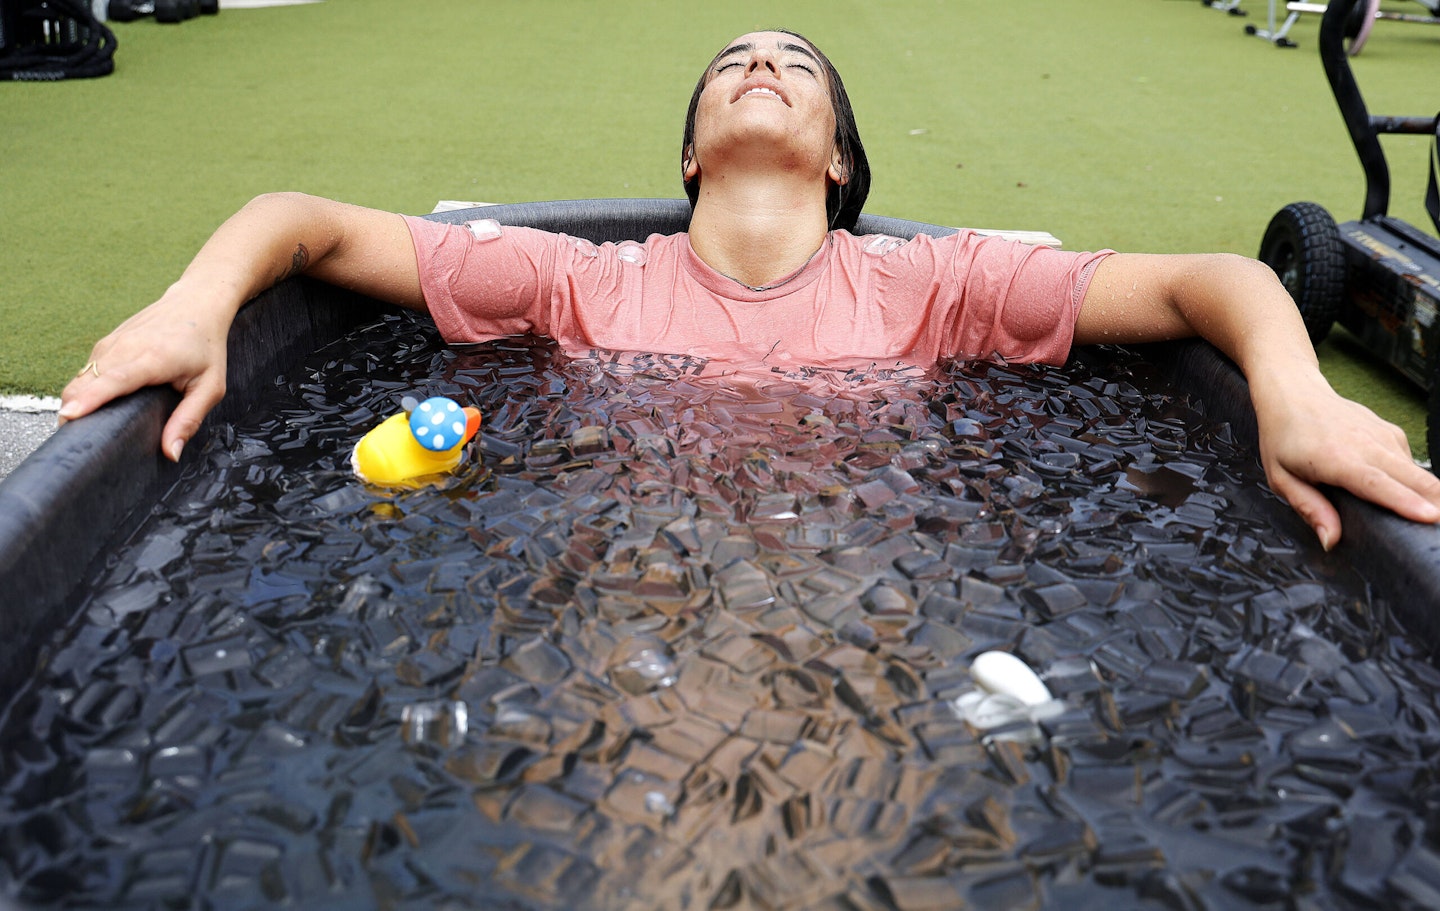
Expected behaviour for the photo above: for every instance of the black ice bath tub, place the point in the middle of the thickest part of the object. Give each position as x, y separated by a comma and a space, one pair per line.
88, 488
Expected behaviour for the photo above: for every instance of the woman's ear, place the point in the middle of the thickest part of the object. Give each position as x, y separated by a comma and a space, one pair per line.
837, 171
689, 167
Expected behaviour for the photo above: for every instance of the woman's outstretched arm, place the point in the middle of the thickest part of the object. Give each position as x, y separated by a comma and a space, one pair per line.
1309, 434
179, 340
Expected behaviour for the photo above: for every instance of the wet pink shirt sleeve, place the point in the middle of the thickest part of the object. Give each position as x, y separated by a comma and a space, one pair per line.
507, 295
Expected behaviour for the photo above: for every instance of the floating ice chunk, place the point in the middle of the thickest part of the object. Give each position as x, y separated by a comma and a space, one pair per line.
586, 248
643, 664
631, 252
438, 723
880, 244
483, 229
657, 803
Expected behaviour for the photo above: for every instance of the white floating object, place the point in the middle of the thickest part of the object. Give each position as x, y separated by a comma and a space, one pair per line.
990, 710
1004, 674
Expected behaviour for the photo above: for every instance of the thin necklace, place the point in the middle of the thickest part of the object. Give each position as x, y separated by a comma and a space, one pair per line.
787, 279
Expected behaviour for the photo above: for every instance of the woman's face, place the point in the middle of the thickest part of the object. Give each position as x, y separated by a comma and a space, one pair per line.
766, 95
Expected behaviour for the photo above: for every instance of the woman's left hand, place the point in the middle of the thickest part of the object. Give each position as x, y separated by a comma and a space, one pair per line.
1310, 436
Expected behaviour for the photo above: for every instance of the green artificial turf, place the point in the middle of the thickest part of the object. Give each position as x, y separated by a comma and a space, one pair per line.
1143, 125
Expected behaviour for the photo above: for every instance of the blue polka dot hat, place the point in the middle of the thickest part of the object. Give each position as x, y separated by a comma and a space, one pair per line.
438, 423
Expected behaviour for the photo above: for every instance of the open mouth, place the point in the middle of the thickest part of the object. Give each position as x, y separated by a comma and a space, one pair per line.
763, 92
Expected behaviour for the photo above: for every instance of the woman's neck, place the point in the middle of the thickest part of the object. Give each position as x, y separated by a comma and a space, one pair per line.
757, 231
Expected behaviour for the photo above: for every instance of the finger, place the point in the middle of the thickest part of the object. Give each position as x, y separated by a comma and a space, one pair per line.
1420, 479
1401, 439
91, 388
1406, 489
1311, 505
185, 420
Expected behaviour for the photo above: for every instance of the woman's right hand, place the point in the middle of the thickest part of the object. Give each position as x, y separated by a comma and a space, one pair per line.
180, 339
177, 341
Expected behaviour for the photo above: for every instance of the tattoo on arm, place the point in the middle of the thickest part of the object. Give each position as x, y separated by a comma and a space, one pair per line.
298, 261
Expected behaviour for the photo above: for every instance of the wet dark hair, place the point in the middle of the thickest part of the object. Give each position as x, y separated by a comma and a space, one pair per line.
844, 201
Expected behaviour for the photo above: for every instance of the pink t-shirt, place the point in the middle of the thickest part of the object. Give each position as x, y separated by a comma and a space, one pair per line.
873, 298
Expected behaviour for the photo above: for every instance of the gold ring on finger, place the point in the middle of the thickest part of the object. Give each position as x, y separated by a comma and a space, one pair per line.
91, 367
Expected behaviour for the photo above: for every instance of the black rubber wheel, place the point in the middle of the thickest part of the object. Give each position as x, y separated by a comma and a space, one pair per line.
1358, 25
209, 7
1355, 20
174, 10
1302, 244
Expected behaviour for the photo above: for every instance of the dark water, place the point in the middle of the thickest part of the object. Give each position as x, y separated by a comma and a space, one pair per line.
678, 642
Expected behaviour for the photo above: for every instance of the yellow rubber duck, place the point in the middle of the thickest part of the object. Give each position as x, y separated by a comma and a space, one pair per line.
427, 438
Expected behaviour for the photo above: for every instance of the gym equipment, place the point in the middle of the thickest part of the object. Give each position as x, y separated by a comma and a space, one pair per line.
1279, 35
162, 10
1363, 17
1358, 23
1378, 276
176, 10
129, 10
49, 40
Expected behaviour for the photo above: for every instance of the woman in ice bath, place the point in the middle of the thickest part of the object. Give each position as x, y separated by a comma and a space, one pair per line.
768, 273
